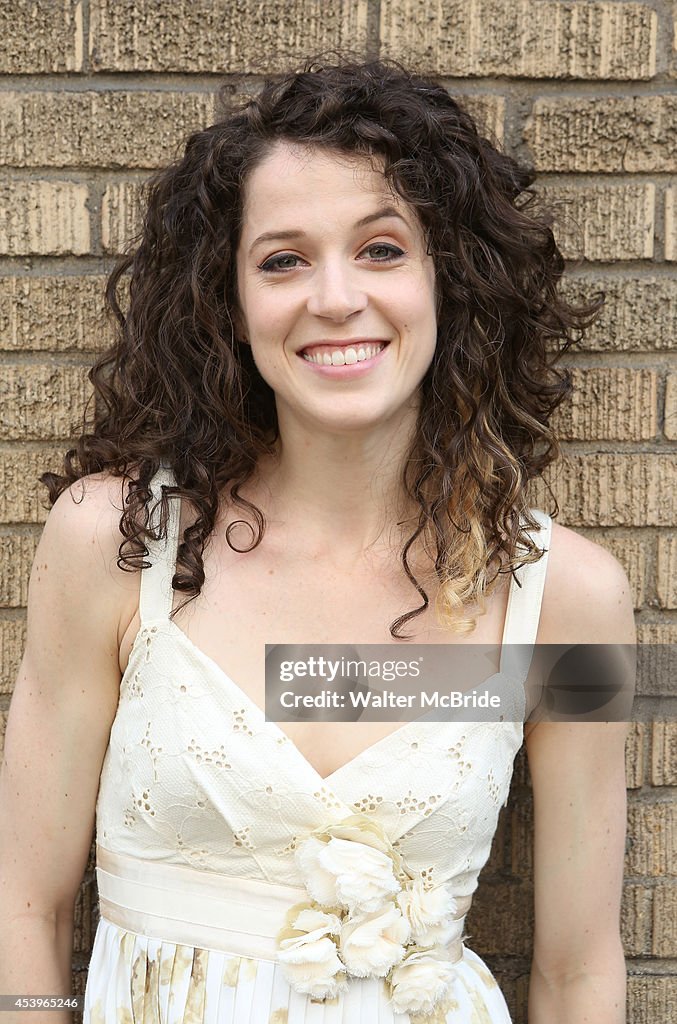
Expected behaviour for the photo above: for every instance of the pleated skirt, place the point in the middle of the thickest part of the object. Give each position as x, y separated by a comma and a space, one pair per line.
135, 979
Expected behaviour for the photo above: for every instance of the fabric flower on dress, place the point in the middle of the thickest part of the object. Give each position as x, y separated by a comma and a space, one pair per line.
371, 944
346, 874
369, 917
421, 981
308, 955
430, 913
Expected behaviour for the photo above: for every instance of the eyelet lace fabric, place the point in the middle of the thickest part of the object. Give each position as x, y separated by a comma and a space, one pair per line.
194, 776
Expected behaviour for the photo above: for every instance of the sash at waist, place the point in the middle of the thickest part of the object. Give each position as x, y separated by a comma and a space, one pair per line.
203, 908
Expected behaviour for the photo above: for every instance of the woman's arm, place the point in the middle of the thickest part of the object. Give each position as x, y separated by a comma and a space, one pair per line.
578, 973
63, 704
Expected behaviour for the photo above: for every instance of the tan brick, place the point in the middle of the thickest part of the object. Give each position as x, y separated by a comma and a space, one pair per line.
670, 421
613, 403
523, 39
634, 755
652, 846
657, 633
636, 920
3, 729
666, 570
651, 997
501, 919
91, 860
640, 313
664, 753
522, 837
121, 215
603, 222
83, 925
664, 933
488, 111
79, 975
609, 489
12, 644
515, 989
520, 777
207, 36
38, 36
17, 551
497, 862
58, 314
22, 498
44, 217
655, 664
613, 133
40, 402
671, 224
99, 129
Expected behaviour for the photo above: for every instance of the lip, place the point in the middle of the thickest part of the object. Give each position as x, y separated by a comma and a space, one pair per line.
350, 370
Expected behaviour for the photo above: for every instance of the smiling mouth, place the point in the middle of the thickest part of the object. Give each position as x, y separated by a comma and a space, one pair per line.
358, 353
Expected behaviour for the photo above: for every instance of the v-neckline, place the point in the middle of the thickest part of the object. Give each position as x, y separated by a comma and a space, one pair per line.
269, 723
260, 714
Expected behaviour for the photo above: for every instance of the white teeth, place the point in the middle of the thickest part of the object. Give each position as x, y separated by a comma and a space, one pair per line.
343, 357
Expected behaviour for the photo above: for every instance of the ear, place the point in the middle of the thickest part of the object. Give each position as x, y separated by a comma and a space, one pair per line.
240, 332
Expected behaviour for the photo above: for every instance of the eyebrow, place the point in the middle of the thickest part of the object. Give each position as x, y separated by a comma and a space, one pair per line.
276, 236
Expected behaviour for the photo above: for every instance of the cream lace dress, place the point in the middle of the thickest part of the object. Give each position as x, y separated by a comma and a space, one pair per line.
202, 803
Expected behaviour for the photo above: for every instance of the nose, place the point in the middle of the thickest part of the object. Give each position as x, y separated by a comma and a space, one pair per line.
335, 293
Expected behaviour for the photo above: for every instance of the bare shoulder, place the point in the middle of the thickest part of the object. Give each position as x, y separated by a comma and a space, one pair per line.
80, 544
587, 597
87, 516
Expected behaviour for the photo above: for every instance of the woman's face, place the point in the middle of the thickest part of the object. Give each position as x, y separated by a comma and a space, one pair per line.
339, 306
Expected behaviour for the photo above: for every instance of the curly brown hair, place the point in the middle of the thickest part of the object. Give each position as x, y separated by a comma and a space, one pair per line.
486, 401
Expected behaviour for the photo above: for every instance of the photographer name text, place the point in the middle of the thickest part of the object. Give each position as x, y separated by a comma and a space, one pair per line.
388, 699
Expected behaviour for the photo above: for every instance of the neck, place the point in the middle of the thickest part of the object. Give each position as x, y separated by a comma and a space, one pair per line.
340, 494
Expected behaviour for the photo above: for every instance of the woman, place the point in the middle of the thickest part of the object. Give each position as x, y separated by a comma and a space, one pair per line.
329, 393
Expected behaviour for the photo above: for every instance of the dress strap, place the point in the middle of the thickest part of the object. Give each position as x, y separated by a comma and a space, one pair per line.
156, 596
524, 604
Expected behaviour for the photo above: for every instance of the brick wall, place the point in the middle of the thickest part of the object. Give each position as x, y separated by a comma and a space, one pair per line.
95, 93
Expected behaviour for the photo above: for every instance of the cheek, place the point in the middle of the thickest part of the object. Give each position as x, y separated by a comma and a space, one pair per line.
270, 311
419, 296
268, 335
419, 307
